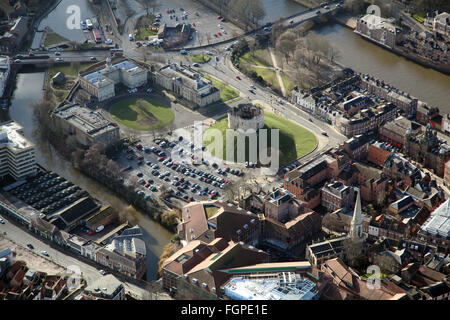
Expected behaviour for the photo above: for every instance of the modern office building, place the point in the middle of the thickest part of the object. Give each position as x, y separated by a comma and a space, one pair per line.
17, 157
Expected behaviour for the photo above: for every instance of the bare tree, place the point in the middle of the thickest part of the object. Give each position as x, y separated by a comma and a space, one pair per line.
208, 37
75, 66
354, 251
149, 4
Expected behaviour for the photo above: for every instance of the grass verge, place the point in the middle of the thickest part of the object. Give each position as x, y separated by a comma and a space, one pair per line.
226, 92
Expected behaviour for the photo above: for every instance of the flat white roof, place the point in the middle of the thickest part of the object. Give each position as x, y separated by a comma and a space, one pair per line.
11, 136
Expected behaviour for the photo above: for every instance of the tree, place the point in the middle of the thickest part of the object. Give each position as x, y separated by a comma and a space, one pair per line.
249, 12
354, 6
149, 4
354, 251
75, 66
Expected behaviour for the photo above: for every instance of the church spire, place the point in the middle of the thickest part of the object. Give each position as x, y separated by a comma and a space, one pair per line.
357, 221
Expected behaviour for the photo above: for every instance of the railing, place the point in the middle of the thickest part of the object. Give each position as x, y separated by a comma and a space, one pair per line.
14, 212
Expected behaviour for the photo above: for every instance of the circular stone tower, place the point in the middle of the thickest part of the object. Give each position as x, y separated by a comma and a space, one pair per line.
246, 116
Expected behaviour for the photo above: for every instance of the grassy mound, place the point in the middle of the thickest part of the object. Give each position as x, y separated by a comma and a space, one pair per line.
295, 141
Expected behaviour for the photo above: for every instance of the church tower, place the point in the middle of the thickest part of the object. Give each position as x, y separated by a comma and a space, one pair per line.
356, 227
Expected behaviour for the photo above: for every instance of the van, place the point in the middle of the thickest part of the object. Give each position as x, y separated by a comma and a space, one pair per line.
130, 36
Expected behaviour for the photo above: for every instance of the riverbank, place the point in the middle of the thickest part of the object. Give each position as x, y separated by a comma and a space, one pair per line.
445, 69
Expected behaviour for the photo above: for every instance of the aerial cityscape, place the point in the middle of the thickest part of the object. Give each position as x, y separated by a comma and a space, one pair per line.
233, 150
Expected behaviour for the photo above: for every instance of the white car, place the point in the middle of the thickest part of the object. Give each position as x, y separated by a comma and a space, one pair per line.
45, 253
108, 41
130, 37
149, 90
2, 221
102, 272
59, 59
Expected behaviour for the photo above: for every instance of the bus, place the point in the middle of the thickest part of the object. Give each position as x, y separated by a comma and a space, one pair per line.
116, 52
97, 37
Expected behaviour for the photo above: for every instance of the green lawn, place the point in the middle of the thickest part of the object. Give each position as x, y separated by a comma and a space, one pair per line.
295, 141
154, 115
259, 57
288, 84
53, 38
200, 58
67, 69
226, 92
144, 27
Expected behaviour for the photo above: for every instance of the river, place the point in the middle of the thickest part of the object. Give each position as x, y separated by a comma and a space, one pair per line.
28, 91
57, 20
426, 84
361, 55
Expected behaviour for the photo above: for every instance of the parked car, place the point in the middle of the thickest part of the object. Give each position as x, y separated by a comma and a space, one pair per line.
102, 272
29, 245
45, 253
99, 228
2, 221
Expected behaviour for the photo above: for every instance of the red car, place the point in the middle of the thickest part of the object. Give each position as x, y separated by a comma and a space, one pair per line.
227, 181
31, 54
213, 195
160, 159
219, 33
227, 169
140, 157
139, 146
190, 199
147, 184
219, 17
193, 24
124, 169
237, 77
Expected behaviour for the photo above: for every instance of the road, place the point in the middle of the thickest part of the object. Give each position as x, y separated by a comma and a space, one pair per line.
66, 56
22, 237
312, 14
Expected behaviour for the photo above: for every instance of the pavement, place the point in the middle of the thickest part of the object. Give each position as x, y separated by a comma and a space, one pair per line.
57, 258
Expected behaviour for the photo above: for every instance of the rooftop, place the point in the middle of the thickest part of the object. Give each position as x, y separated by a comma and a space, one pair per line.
105, 285
84, 119
439, 221
11, 135
272, 286
101, 77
